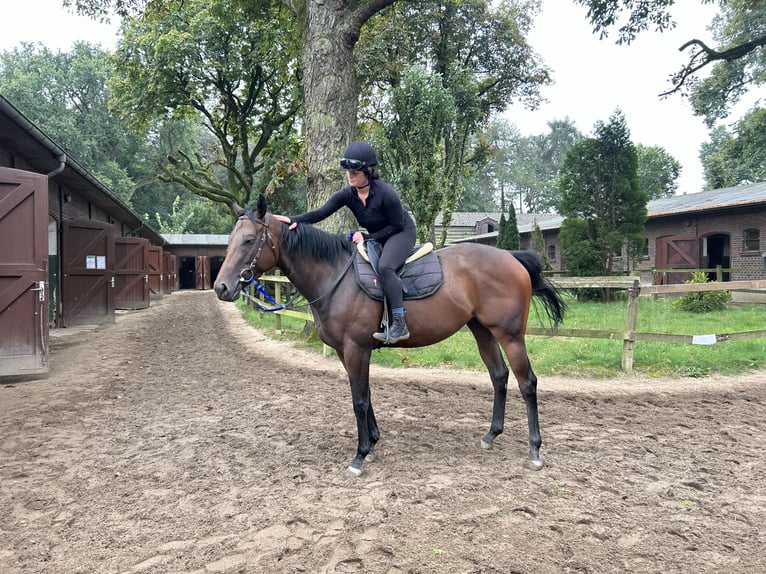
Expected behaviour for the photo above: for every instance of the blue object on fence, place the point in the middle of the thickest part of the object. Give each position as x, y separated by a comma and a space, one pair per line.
260, 289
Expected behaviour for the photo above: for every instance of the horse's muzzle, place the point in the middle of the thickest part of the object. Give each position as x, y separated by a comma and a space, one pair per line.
226, 293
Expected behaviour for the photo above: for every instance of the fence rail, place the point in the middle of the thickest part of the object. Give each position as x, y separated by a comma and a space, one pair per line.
629, 335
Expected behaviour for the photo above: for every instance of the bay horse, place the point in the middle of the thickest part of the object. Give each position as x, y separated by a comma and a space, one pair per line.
486, 288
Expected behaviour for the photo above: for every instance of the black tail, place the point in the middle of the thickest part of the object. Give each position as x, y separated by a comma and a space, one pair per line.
542, 287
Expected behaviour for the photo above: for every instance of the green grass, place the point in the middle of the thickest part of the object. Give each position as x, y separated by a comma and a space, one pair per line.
589, 357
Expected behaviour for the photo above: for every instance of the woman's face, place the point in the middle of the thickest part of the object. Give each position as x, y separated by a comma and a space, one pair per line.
356, 178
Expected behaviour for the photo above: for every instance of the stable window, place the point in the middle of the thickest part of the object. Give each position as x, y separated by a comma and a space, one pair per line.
751, 240
551, 252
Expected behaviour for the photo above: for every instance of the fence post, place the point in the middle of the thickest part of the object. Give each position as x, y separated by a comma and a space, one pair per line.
629, 338
278, 299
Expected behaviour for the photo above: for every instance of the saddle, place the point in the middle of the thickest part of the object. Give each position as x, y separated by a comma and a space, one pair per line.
420, 276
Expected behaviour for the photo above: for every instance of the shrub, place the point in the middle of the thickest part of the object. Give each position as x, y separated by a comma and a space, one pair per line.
703, 301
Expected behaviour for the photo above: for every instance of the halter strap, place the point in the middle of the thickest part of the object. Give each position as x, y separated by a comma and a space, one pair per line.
247, 274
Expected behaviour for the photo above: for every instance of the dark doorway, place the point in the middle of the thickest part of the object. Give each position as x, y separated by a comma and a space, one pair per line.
187, 278
717, 251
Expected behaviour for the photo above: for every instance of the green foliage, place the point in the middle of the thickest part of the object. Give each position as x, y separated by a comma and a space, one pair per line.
196, 215
702, 301
230, 63
508, 234
737, 157
735, 64
658, 171
537, 244
66, 95
522, 166
601, 199
473, 57
418, 165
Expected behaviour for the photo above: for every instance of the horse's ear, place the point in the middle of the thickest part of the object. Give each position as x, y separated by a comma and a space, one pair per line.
236, 208
261, 206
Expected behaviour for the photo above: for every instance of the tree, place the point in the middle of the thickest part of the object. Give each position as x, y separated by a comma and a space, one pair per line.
329, 32
477, 51
736, 65
196, 216
508, 234
658, 171
425, 110
65, 93
602, 200
526, 166
231, 63
737, 157
537, 243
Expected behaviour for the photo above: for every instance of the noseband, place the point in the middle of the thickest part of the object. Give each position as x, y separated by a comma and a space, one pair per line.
247, 274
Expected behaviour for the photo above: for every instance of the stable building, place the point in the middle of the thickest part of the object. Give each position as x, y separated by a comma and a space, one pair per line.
71, 251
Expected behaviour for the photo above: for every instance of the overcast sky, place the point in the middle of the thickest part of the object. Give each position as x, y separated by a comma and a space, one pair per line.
592, 77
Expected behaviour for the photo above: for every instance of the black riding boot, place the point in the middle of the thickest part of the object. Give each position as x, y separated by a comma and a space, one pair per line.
397, 331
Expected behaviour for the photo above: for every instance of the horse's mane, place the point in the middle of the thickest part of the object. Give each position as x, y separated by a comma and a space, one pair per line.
316, 243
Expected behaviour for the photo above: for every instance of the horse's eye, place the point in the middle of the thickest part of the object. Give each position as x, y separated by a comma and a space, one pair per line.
249, 240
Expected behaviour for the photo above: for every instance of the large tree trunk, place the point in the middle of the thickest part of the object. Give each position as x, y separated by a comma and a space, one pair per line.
331, 31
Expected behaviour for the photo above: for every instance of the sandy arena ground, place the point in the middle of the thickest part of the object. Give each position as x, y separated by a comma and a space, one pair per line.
181, 440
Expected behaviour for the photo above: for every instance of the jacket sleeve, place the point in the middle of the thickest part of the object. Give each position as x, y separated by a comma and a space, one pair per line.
333, 204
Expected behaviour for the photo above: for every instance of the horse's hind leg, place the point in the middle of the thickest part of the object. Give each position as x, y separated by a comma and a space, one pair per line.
516, 351
489, 350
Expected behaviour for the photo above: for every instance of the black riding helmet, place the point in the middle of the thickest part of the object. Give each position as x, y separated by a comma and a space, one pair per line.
358, 156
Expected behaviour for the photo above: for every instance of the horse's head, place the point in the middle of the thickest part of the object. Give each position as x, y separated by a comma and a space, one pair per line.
252, 249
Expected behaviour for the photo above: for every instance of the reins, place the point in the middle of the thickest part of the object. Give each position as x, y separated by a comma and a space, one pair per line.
247, 276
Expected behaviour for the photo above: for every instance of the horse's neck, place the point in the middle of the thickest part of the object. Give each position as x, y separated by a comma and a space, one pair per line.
310, 277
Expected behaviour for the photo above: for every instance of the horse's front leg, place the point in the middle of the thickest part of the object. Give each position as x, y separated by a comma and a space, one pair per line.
357, 365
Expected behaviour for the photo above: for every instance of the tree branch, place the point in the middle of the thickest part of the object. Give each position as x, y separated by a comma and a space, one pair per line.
706, 56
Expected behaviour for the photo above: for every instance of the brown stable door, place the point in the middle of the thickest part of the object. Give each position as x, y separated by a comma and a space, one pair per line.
676, 252
23, 272
88, 266
202, 267
131, 273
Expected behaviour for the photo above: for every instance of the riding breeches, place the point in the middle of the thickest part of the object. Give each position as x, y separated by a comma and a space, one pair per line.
395, 250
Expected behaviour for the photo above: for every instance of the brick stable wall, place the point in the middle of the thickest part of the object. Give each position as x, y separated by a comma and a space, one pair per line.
732, 223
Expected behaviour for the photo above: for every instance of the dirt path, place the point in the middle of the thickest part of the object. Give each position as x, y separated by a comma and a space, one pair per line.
222, 451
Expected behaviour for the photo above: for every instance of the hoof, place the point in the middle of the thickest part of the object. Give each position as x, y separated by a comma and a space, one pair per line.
370, 457
356, 466
533, 464
486, 445
354, 471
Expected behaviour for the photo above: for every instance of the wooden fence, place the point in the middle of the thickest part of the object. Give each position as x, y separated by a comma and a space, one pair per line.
629, 335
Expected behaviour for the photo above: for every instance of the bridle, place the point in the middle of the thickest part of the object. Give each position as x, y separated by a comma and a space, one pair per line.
247, 274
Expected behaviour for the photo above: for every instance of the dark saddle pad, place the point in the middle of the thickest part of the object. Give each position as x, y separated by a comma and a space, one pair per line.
420, 278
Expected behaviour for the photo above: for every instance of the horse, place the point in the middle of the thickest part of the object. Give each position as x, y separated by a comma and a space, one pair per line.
486, 288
